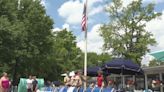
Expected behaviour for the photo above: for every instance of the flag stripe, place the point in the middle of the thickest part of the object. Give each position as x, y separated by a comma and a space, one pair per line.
84, 19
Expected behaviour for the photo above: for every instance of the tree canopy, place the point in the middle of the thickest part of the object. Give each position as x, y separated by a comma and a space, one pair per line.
28, 45
26, 38
155, 62
125, 34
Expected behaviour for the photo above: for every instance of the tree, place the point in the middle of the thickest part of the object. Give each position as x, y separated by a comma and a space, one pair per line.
66, 54
125, 34
7, 14
25, 39
155, 62
95, 59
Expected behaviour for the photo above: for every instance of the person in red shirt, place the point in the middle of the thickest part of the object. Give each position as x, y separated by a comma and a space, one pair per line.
100, 79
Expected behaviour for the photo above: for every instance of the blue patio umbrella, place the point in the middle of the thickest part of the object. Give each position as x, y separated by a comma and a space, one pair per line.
122, 66
93, 71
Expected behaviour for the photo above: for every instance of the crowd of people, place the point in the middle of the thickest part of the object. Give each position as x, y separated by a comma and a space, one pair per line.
5, 83
71, 81
74, 79
156, 84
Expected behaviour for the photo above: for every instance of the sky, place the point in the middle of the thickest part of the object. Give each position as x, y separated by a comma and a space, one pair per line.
68, 14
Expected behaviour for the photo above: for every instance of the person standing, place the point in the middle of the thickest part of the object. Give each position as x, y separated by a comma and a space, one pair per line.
77, 79
67, 80
29, 84
100, 79
34, 84
4, 83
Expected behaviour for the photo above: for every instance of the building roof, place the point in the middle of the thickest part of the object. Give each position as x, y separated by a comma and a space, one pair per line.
154, 70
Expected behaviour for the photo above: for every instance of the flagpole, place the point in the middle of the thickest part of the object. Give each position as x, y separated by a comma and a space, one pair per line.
85, 56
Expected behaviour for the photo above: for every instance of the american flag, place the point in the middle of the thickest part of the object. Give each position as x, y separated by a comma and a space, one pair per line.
84, 19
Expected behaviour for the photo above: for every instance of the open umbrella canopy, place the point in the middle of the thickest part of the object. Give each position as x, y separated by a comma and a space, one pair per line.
122, 66
158, 55
93, 71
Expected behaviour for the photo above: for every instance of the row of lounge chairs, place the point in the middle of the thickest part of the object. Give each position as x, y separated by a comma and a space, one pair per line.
74, 89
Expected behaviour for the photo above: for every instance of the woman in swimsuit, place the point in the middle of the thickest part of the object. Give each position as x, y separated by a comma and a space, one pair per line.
4, 83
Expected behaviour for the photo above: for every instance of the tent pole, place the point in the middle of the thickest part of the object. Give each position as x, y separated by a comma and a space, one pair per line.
160, 77
146, 84
123, 81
